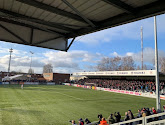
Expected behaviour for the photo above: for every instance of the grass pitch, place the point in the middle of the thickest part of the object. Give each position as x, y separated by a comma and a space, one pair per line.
56, 105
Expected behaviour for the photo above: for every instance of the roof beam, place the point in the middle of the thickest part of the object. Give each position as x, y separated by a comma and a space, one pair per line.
143, 12
80, 14
31, 36
121, 5
52, 9
44, 41
29, 26
26, 18
9, 31
70, 44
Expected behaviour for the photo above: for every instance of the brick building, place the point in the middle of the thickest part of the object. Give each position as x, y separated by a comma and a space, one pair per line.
57, 77
33, 76
54, 77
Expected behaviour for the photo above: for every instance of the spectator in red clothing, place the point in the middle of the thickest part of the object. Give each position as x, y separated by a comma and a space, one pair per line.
164, 108
153, 110
81, 122
103, 122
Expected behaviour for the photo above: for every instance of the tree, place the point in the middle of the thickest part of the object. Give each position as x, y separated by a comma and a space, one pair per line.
31, 71
104, 64
138, 67
116, 64
145, 67
127, 63
48, 68
162, 64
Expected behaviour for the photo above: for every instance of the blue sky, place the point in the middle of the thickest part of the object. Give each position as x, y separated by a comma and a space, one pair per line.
87, 50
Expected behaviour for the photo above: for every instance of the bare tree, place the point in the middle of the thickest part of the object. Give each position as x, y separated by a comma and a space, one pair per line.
104, 64
116, 64
48, 68
31, 71
145, 67
19, 71
127, 63
162, 64
138, 67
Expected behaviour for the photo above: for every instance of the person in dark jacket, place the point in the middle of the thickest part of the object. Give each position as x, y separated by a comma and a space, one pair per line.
139, 114
126, 117
111, 120
81, 122
130, 115
117, 116
87, 121
100, 116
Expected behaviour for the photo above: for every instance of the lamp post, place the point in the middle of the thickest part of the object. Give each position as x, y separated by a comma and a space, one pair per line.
10, 50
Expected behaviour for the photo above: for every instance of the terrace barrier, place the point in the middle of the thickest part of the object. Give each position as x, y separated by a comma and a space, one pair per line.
147, 94
156, 119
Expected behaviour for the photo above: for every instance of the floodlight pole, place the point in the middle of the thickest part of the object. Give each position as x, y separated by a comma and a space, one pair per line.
156, 69
10, 50
142, 46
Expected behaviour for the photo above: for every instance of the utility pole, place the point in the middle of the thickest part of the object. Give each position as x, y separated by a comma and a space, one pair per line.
10, 50
142, 47
156, 68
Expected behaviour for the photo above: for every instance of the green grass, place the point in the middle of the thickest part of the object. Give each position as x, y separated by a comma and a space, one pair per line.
56, 105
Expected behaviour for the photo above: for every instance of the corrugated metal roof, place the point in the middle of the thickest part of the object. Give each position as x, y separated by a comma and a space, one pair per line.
137, 3
64, 19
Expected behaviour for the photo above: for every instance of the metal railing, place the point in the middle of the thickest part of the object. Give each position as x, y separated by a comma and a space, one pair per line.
156, 119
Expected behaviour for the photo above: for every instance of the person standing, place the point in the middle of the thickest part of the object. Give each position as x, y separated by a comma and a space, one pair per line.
118, 116
130, 115
73, 122
21, 86
126, 117
111, 120
103, 122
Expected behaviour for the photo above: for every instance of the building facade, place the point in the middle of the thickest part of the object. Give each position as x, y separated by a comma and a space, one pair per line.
58, 78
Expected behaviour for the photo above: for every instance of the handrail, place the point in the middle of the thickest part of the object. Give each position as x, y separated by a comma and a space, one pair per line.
133, 120
155, 115
143, 119
160, 121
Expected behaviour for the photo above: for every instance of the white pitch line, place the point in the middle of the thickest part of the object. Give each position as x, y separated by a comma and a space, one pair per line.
69, 95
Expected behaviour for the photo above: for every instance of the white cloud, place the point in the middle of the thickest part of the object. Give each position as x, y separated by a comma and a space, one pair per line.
19, 60
129, 31
148, 55
71, 59
68, 62
115, 54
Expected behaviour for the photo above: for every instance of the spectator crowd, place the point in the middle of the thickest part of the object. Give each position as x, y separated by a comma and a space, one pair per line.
129, 85
116, 117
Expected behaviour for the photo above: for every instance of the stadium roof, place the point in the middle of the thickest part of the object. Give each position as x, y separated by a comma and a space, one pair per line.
118, 73
11, 77
50, 23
